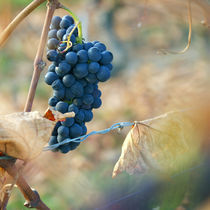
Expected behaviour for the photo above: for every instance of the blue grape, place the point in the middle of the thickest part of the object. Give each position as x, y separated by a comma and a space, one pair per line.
68, 122
51, 68
88, 99
88, 45
88, 115
68, 80
73, 108
69, 18
71, 58
79, 117
100, 46
103, 74
91, 78
93, 67
52, 34
75, 130
62, 107
97, 103
96, 93
84, 129
94, 54
57, 85
68, 94
65, 23
109, 66
85, 106
63, 131
94, 42
52, 43
56, 21
77, 102
82, 56
60, 94
52, 55
53, 140
83, 82
53, 101
65, 148
50, 77
61, 33
89, 89
60, 138
80, 70
77, 47
106, 58
74, 145
62, 69
77, 89
54, 132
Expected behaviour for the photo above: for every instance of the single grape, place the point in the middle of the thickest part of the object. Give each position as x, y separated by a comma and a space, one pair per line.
109, 66
91, 78
68, 122
60, 94
63, 131
68, 80
50, 77
79, 117
52, 43
75, 130
73, 108
65, 23
77, 89
80, 70
51, 68
63, 68
103, 74
77, 102
94, 42
77, 47
74, 145
89, 88
97, 103
55, 133
106, 58
85, 106
56, 21
53, 101
71, 58
96, 93
88, 45
52, 34
57, 85
60, 138
61, 33
53, 140
84, 129
93, 67
88, 115
100, 46
52, 55
82, 56
88, 99
64, 148
69, 18
62, 107
94, 54
69, 95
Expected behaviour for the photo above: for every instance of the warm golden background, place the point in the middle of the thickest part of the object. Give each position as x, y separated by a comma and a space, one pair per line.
144, 84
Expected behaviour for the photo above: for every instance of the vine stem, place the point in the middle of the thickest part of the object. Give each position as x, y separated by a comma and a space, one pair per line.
32, 197
39, 64
18, 19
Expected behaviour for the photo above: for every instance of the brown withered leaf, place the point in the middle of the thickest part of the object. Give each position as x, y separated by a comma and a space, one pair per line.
23, 135
167, 143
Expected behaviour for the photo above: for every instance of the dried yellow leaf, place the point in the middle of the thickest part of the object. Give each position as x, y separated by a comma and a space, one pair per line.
23, 135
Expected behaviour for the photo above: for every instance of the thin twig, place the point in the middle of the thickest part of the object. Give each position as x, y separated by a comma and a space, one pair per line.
18, 19
32, 197
38, 62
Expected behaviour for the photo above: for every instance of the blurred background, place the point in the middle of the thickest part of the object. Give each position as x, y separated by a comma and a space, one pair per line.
144, 84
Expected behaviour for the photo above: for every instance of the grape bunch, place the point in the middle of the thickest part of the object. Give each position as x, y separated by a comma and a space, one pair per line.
74, 76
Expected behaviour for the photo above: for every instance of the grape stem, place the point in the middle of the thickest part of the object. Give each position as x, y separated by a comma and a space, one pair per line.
39, 64
18, 19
